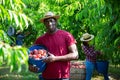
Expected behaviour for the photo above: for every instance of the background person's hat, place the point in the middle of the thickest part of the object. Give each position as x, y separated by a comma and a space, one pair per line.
87, 37
49, 15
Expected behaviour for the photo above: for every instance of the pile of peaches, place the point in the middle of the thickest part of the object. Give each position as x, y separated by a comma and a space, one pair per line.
38, 54
77, 65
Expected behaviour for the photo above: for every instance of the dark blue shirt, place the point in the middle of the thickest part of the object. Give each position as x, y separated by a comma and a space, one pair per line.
19, 40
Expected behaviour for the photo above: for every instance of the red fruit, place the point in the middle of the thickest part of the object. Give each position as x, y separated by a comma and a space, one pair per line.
76, 66
39, 55
34, 56
42, 52
79, 66
82, 66
73, 66
30, 55
31, 52
35, 51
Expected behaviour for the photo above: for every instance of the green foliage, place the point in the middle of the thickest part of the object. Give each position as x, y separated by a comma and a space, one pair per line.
98, 17
12, 14
107, 39
4, 37
13, 56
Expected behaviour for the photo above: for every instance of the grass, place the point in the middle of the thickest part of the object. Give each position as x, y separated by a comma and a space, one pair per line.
113, 73
5, 74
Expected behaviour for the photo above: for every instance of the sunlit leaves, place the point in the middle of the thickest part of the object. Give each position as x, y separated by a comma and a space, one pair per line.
44, 7
13, 4
4, 13
15, 56
12, 11
4, 37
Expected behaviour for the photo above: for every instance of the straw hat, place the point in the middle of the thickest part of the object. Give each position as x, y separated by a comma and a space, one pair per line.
49, 15
87, 37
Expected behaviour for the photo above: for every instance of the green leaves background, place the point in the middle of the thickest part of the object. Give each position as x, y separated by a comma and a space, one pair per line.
98, 17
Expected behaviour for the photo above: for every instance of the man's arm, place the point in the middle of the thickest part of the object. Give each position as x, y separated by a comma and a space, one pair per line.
72, 55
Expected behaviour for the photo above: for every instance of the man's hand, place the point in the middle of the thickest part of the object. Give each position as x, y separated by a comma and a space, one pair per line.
50, 58
33, 68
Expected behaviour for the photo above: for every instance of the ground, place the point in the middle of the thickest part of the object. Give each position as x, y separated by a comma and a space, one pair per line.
114, 74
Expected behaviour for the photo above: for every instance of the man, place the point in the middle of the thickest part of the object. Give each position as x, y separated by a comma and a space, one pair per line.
62, 49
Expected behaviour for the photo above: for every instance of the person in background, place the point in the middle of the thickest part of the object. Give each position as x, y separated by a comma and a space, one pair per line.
61, 46
90, 53
20, 37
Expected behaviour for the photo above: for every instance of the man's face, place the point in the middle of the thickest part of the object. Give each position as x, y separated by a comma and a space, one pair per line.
50, 24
